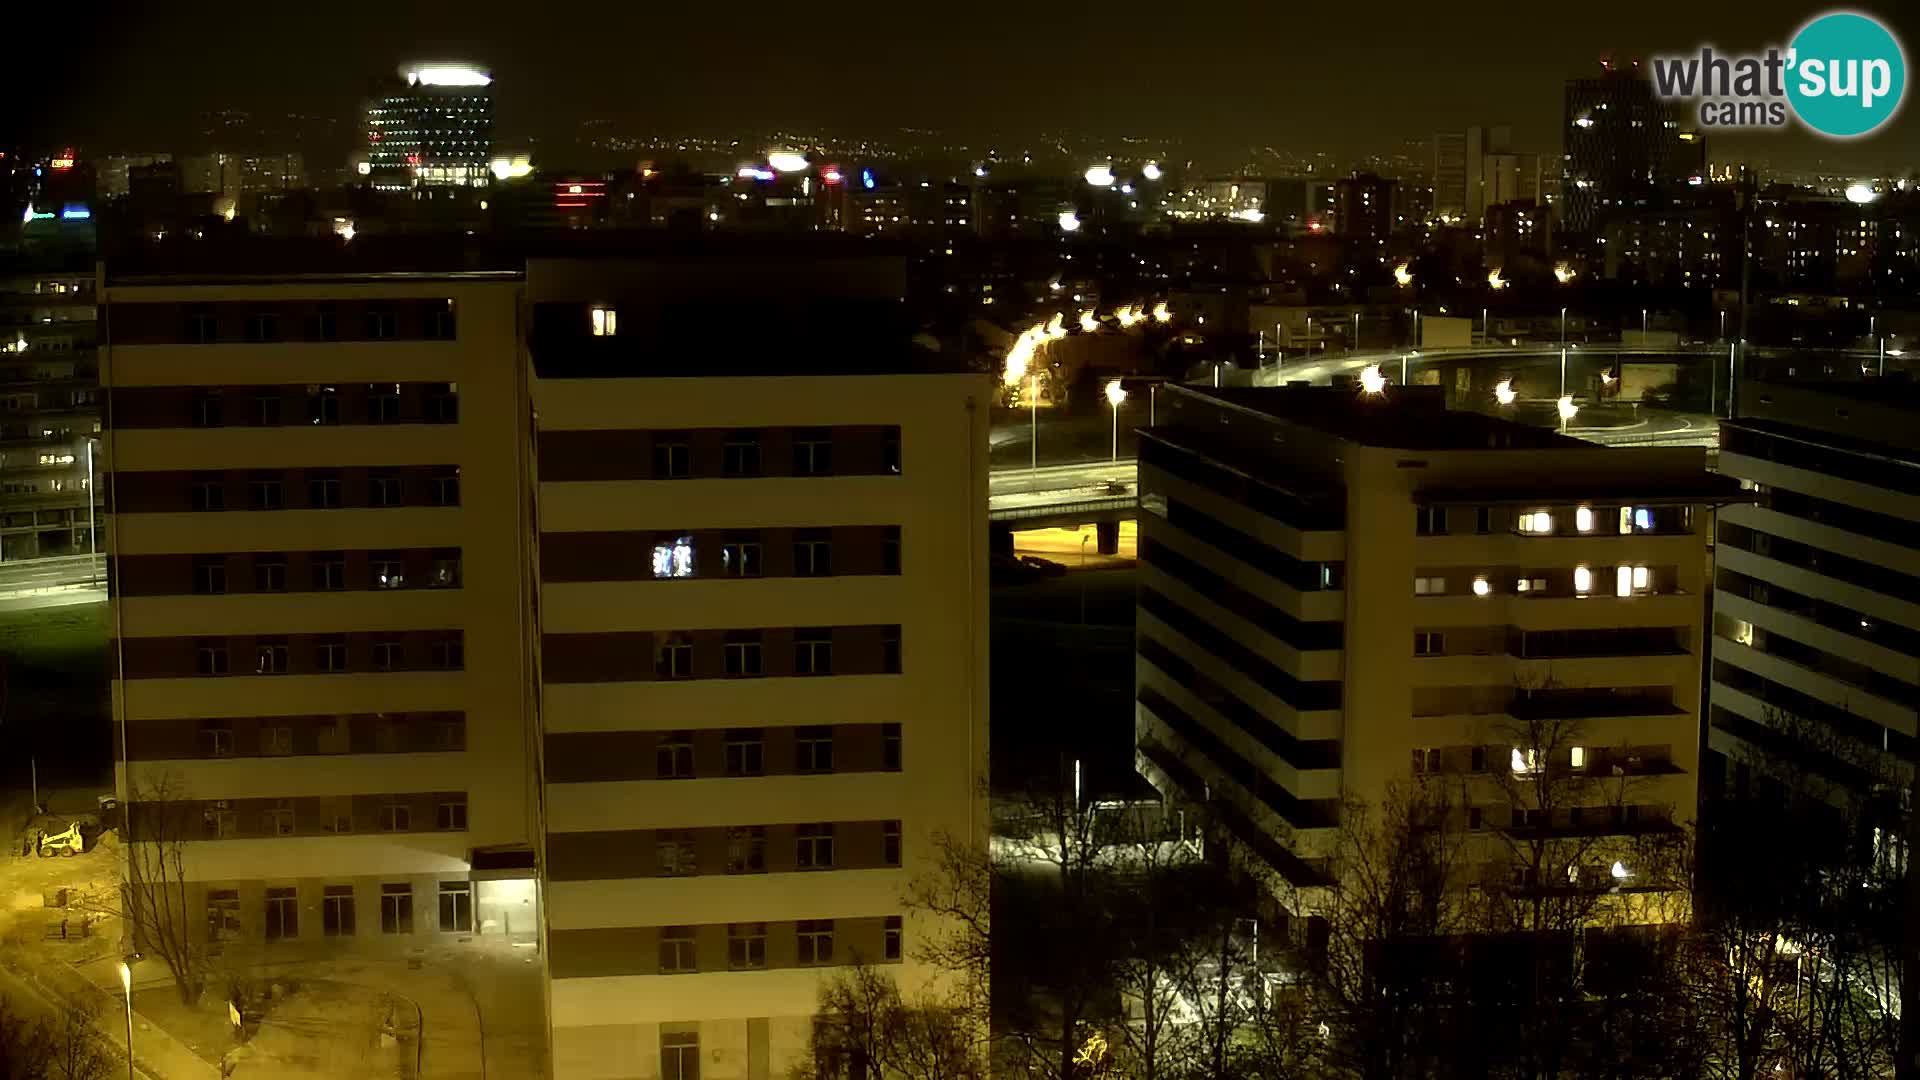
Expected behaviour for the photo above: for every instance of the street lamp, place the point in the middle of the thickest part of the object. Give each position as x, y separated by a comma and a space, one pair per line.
1115, 395
1563, 328
93, 541
126, 984
1503, 392
1033, 406
1567, 411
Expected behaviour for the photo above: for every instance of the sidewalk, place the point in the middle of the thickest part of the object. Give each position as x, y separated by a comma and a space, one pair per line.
41, 982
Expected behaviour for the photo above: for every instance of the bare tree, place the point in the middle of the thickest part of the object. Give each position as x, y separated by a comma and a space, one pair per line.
865, 1030
155, 899
26, 1046
64, 1046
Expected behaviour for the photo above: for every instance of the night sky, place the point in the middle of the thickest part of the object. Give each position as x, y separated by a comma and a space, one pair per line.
1348, 77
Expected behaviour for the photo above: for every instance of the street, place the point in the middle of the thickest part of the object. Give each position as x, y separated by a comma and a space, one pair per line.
38, 583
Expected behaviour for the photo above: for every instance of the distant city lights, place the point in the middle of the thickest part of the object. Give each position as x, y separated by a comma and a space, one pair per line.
511, 168
1564, 273
831, 176
787, 161
1251, 214
1861, 194
1372, 381
1069, 221
1495, 281
1151, 170
749, 172
1100, 176
64, 161
866, 179
1403, 275
1088, 324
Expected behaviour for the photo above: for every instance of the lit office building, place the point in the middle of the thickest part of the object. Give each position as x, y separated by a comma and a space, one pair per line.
49, 412
433, 128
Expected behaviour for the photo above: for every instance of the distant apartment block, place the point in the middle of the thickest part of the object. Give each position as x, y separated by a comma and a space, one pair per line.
49, 412
1342, 593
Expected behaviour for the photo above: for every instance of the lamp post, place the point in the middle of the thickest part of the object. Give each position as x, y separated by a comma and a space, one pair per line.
1033, 406
1643, 328
126, 984
93, 541
1356, 333
1309, 335
1723, 324
1115, 395
1486, 328
1563, 329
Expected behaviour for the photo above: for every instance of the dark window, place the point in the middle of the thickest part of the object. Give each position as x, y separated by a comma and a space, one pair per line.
815, 846
443, 403
451, 817
266, 410
263, 326
209, 493
673, 757
890, 747
266, 493
386, 571
212, 656
329, 571
741, 454
323, 405
283, 914
270, 657
1430, 520
676, 956
456, 907
813, 651
891, 943
890, 843
1483, 520
890, 650
322, 325
396, 908
330, 654
812, 553
743, 653
336, 911
747, 850
448, 654
816, 940
813, 452
1429, 643
440, 326
202, 328
890, 550
383, 403
890, 450
323, 490
746, 945
388, 654
216, 738
446, 487
384, 488
740, 557
679, 1050
396, 817
813, 749
446, 570
674, 658
672, 456
674, 853
745, 752
209, 574
381, 324
209, 408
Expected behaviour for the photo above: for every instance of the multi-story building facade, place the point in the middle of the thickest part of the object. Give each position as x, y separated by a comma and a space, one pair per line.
49, 414
1342, 594
320, 600
1624, 148
1816, 648
1364, 216
433, 128
762, 602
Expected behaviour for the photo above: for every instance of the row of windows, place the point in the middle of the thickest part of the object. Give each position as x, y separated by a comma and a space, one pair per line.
1581, 580
1300, 575
733, 453
1298, 633
207, 324
1825, 612
1832, 461
231, 819
275, 736
1297, 812
329, 654
590, 757
316, 404
1244, 490
267, 572
743, 554
1853, 673
325, 491
1293, 691
1299, 753
747, 950
1867, 575
1579, 520
677, 852
1893, 530
280, 914
743, 654
1582, 760
1808, 708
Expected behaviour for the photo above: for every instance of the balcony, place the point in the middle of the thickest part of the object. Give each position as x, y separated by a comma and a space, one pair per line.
1589, 705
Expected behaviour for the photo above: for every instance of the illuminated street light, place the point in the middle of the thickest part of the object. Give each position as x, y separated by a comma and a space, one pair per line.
1251, 214
126, 985
1372, 381
1495, 281
1128, 315
1088, 324
1403, 275
1151, 170
1115, 395
1620, 872
1100, 176
1161, 314
1564, 273
1069, 221
1568, 410
1057, 326
448, 76
1861, 194
787, 161
1503, 392
510, 168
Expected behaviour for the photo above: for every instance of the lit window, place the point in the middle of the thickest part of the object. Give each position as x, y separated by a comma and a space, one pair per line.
1577, 757
1538, 521
605, 322
1643, 518
1623, 581
1642, 581
1583, 519
1429, 586
1626, 520
1481, 587
1525, 762
1582, 580
673, 558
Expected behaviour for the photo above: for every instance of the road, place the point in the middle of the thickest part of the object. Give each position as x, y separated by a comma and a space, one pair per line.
30, 583
1049, 485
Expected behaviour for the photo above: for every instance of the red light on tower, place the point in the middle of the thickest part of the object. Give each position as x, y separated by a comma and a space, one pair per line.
831, 175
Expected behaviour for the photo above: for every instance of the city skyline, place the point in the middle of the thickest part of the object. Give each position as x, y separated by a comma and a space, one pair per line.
1244, 80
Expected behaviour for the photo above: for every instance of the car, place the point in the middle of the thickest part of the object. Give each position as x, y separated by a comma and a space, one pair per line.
1044, 567
1115, 487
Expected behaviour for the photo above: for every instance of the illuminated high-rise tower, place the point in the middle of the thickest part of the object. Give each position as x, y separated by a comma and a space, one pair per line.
433, 127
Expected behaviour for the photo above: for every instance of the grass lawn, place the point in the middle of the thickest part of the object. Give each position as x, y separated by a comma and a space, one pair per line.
55, 643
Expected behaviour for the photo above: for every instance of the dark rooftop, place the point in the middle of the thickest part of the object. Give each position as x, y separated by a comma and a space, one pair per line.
1400, 418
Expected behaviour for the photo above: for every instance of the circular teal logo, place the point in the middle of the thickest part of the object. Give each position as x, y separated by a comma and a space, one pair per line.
1847, 75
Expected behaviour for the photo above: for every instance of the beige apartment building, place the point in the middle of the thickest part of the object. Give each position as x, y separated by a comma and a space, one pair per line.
321, 600
1341, 593
762, 558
